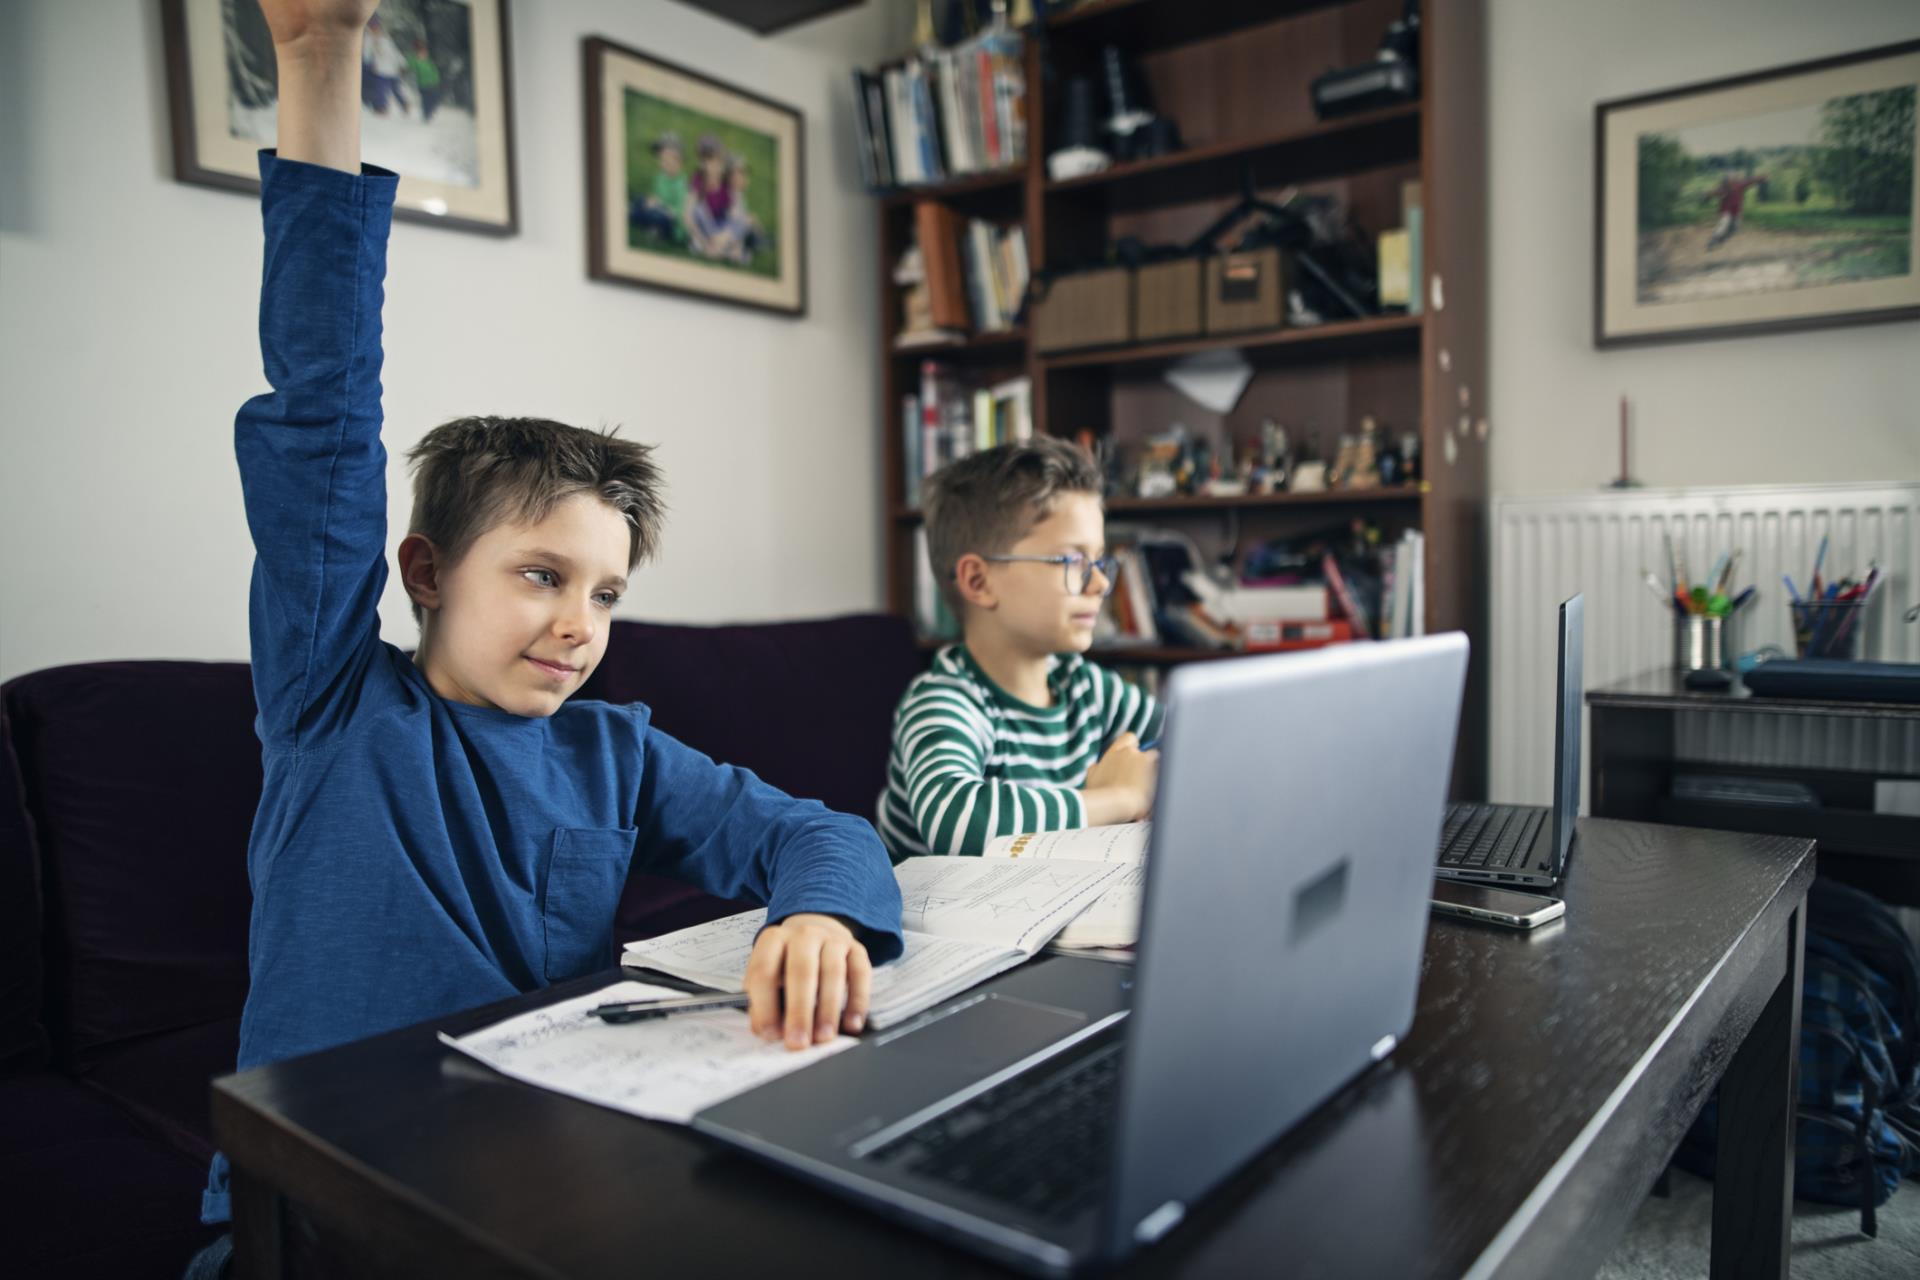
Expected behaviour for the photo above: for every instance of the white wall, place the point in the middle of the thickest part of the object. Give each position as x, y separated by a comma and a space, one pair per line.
1836, 404
127, 312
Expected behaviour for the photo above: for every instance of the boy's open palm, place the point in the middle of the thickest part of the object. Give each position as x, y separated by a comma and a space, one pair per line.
291, 21
820, 968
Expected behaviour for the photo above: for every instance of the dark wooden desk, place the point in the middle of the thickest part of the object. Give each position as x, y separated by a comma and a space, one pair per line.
1636, 752
1513, 1134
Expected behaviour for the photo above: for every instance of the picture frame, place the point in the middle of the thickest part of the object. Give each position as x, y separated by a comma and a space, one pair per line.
437, 101
694, 186
1775, 201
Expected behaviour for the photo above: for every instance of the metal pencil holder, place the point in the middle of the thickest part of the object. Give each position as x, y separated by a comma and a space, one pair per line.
1700, 641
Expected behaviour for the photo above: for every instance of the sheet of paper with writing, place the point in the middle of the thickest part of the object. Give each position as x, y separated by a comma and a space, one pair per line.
663, 1069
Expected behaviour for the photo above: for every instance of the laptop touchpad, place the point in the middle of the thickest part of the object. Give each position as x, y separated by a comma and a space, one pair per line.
986, 1035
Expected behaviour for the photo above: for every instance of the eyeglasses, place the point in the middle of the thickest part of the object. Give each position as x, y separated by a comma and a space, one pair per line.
1078, 569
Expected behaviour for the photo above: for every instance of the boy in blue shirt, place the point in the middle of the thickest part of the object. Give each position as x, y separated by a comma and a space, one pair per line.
438, 832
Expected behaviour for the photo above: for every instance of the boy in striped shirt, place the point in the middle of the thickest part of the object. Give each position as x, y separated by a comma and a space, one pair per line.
1012, 730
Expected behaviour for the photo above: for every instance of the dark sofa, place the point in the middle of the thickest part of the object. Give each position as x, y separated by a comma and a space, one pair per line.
126, 793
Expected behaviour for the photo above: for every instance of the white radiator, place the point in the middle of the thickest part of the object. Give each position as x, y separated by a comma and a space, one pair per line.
1547, 548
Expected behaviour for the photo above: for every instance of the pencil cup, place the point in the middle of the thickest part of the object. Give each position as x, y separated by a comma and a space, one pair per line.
1700, 641
1828, 628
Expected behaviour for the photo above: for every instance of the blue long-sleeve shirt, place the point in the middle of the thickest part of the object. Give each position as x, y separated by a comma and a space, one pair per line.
413, 856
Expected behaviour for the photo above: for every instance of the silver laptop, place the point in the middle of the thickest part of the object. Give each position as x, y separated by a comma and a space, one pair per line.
1525, 844
1071, 1111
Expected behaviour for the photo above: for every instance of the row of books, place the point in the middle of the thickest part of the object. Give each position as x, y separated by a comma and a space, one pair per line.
976, 272
1161, 596
947, 421
943, 113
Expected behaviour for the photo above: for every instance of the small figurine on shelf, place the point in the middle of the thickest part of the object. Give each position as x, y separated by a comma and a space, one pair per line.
1275, 456
1363, 472
1225, 477
1308, 474
1410, 457
1342, 465
917, 328
1390, 465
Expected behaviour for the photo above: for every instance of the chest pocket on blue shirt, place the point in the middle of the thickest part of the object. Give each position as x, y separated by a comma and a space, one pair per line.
584, 878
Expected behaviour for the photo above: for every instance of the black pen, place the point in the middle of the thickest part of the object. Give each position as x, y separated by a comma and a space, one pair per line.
641, 1010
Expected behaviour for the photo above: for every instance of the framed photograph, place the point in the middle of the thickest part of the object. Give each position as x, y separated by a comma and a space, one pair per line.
1766, 202
436, 107
693, 186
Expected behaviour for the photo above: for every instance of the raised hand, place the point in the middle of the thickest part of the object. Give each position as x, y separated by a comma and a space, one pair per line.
292, 21
317, 46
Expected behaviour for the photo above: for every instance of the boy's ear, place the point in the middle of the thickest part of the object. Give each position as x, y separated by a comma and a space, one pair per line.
420, 570
971, 581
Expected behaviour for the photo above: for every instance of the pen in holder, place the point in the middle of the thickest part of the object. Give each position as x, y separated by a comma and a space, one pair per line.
1828, 628
1701, 641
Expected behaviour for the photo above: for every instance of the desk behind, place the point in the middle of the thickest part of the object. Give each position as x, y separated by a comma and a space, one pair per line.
1545, 1082
1650, 729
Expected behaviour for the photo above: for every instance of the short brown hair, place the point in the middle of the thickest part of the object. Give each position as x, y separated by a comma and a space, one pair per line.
472, 474
987, 501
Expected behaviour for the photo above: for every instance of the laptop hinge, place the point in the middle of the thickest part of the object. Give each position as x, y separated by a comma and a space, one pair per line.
1159, 1222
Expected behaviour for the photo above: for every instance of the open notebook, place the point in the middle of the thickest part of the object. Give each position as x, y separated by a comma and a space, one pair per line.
963, 919
1114, 918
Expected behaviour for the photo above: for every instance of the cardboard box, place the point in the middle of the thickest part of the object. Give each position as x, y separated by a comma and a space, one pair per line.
1245, 291
1086, 309
1167, 300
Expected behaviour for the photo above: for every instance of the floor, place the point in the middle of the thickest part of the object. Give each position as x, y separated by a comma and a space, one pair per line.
1668, 1238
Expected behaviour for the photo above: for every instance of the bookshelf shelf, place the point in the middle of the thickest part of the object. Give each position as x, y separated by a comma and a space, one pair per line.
1341, 338
993, 182
1197, 504
1159, 655
1369, 140
1326, 498
998, 343
1138, 24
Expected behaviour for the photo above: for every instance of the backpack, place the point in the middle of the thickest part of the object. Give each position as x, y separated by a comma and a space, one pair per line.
1857, 1119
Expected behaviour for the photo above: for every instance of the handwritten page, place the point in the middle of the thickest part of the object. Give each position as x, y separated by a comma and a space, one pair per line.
1114, 920
1120, 842
1013, 903
663, 1069
713, 954
931, 969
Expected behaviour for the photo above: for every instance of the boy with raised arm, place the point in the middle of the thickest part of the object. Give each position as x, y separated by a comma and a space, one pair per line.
438, 832
1012, 730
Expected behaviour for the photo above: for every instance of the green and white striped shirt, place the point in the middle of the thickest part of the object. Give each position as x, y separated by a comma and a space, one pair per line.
971, 762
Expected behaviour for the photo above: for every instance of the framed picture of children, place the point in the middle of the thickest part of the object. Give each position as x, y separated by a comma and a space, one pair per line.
436, 105
693, 186
1778, 200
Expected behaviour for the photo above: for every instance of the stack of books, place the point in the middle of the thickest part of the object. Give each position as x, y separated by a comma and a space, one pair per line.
943, 113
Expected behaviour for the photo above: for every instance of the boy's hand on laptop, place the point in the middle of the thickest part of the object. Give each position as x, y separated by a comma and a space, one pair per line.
1119, 787
824, 973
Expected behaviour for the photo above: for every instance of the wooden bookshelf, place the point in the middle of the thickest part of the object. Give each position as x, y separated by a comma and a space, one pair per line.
1234, 74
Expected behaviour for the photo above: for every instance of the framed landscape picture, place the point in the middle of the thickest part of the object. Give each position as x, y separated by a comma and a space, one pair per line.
692, 185
436, 106
1778, 200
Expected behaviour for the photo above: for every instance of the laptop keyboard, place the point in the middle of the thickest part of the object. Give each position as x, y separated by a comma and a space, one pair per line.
1489, 837
1039, 1142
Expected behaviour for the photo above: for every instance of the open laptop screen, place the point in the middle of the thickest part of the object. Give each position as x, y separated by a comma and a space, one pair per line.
1566, 733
